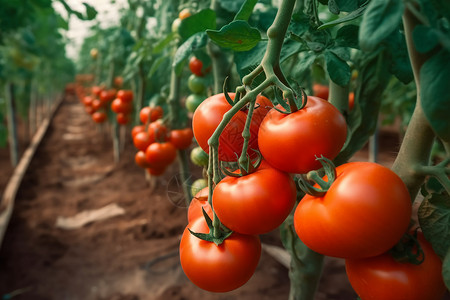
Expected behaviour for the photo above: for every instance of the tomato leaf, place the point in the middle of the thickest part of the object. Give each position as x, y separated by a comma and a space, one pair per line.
348, 5
246, 10
201, 21
446, 269
347, 36
380, 19
351, 16
435, 99
91, 13
400, 65
163, 43
337, 68
434, 219
425, 38
193, 43
237, 36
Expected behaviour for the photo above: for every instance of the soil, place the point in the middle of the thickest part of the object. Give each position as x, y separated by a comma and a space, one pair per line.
133, 256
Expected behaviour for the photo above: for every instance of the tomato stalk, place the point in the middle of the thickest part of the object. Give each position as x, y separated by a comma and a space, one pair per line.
339, 97
244, 160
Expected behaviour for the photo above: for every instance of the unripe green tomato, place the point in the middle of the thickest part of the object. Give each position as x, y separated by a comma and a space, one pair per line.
193, 101
198, 185
175, 25
196, 84
199, 157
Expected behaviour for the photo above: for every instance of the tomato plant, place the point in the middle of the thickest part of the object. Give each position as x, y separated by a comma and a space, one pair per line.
218, 268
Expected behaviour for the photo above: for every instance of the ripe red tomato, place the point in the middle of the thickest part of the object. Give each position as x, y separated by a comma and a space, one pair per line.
99, 117
256, 203
291, 142
107, 95
156, 171
120, 106
96, 90
220, 268
96, 104
155, 113
89, 110
158, 132
87, 100
125, 95
181, 138
364, 213
141, 159
122, 118
118, 81
142, 140
136, 129
160, 154
210, 113
197, 203
382, 277
196, 67
321, 91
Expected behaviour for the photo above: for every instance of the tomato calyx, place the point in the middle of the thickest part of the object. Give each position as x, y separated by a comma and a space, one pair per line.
313, 176
215, 235
292, 105
408, 249
245, 167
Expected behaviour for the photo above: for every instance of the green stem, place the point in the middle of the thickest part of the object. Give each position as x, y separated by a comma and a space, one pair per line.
338, 96
243, 159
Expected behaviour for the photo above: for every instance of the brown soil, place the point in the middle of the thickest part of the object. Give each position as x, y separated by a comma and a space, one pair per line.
128, 257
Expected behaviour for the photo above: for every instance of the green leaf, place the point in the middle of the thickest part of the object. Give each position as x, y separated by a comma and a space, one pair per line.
91, 13
161, 45
155, 65
347, 5
246, 10
201, 21
434, 219
351, 16
195, 42
238, 36
400, 65
446, 270
338, 69
381, 18
425, 38
347, 36
434, 95
231, 5
62, 23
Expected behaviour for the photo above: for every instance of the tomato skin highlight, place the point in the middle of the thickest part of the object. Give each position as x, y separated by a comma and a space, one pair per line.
382, 277
364, 213
291, 142
220, 268
255, 203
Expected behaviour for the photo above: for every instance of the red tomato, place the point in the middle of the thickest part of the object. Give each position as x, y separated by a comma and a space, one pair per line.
160, 154
156, 171
220, 268
181, 138
351, 100
291, 142
196, 67
99, 117
197, 203
136, 129
107, 95
125, 95
256, 203
382, 277
96, 90
96, 104
141, 159
89, 110
364, 213
120, 106
321, 91
142, 140
158, 132
118, 81
87, 100
122, 118
209, 114
155, 113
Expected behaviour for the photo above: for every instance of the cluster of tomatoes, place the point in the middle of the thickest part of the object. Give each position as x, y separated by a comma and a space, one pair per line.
196, 84
156, 144
122, 105
359, 210
96, 104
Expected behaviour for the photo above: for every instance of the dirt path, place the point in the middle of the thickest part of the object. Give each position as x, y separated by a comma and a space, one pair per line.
127, 257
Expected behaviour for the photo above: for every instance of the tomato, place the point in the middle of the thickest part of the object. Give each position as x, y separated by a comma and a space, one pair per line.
351, 100
160, 154
89, 110
118, 81
96, 104
382, 277
199, 157
125, 95
255, 203
220, 268
122, 118
291, 142
94, 53
198, 185
158, 132
196, 85
208, 116
142, 140
364, 213
141, 159
96, 90
181, 138
120, 106
185, 13
107, 95
99, 117
156, 171
321, 91
196, 67
199, 201
87, 100
136, 129
193, 101
155, 113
